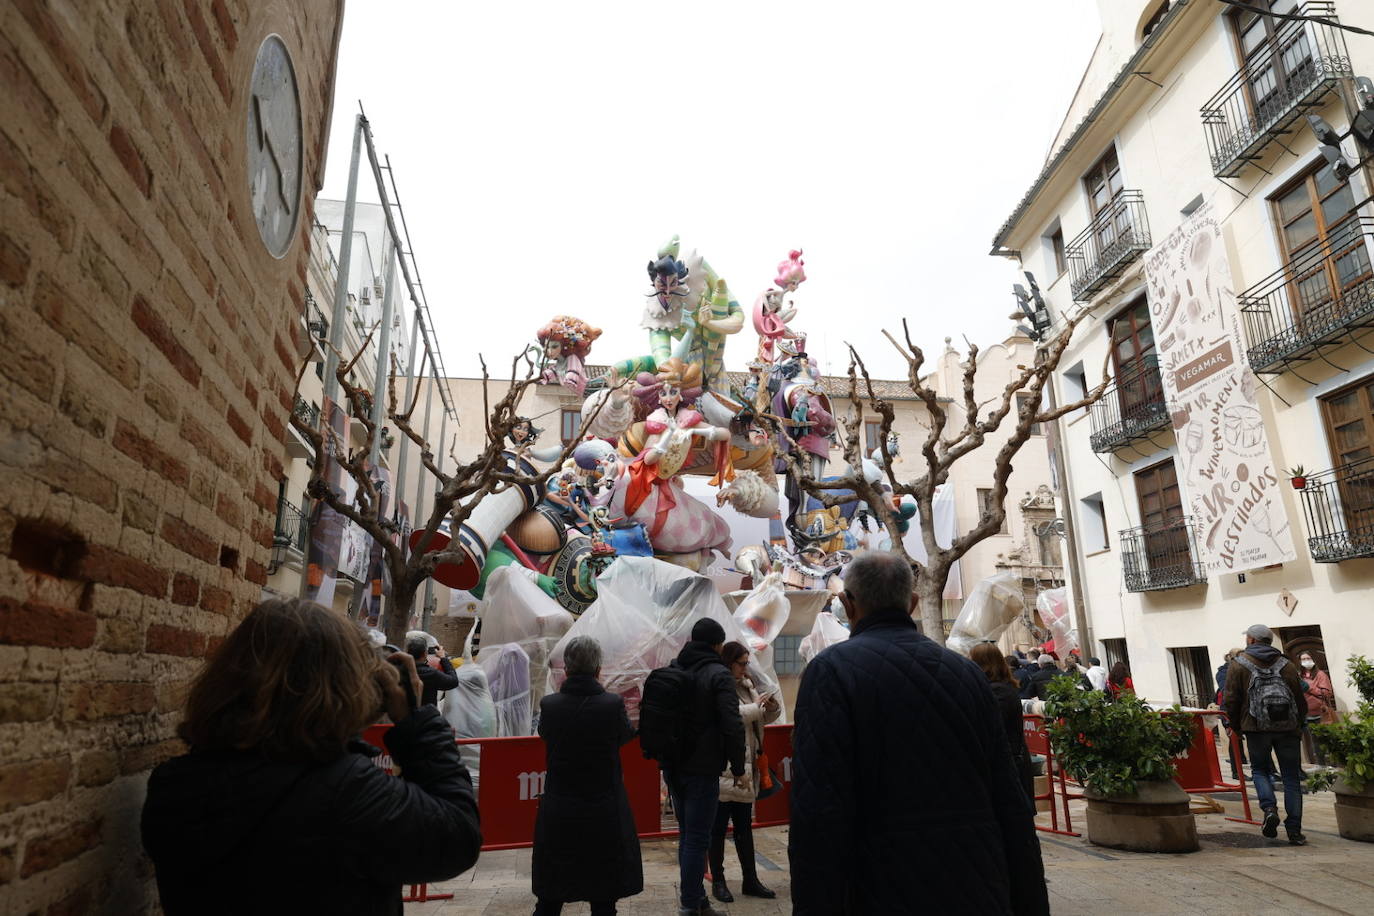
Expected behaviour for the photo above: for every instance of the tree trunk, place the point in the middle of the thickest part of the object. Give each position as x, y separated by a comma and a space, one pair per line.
396, 620
930, 605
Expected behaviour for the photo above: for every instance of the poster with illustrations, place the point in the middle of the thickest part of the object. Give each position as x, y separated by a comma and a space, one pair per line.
1227, 476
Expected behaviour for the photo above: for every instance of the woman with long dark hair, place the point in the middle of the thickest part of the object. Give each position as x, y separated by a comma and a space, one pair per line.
988, 657
278, 807
1118, 680
737, 801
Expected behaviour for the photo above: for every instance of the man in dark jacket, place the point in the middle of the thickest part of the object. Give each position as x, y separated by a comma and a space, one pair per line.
904, 798
1034, 687
717, 738
433, 676
1281, 732
585, 843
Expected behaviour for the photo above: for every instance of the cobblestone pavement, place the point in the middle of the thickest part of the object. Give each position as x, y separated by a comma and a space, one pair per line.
1237, 872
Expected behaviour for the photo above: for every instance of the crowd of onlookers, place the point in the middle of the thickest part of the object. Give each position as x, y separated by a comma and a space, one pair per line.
911, 783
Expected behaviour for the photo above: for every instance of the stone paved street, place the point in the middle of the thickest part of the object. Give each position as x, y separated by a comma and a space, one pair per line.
1237, 871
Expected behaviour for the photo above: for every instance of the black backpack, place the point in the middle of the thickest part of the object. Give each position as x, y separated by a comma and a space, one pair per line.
1271, 703
665, 714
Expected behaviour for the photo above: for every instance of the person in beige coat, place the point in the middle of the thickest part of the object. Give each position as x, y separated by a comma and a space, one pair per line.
737, 796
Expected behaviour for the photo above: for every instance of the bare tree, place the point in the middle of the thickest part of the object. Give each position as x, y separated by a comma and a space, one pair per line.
459, 491
945, 444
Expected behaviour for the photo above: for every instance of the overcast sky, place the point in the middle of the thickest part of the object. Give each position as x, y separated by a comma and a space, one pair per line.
544, 151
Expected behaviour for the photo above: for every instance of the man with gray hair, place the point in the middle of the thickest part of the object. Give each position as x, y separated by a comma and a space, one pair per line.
432, 677
900, 768
585, 844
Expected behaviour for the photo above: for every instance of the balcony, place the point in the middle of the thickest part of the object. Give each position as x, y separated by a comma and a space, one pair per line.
1317, 300
1286, 75
289, 537
1161, 556
1339, 507
1131, 409
297, 446
1104, 250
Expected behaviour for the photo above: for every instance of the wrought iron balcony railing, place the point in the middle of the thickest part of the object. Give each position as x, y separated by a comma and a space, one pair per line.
1131, 408
1103, 251
308, 413
1316, 300
291, 527
1290, 72
1339, 507
1161, 556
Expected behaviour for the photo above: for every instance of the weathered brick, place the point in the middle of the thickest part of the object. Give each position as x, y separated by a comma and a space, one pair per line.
137, 759
25, 364
30, 623
76, 903
8, 855
264, 497
111, 567
129, 156
225, 24
123, 635
62, 845
201, 30
139, 512
189, 539
72, 475
95, 768
202, 489
228, 508
69, 317
14, 262
65, 56
215, 600
161, 399
171, 695
167, 640
272, 420
240, 426
27, 701
147, 453
84, 407
185, 590
96, 266
33, 781
105, 700
155, 329
255, 572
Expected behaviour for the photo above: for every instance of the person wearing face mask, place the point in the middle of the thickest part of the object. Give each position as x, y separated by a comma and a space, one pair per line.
1321, 706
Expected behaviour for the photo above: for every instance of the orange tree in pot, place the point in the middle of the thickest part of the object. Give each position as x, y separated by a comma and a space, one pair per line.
1349, 744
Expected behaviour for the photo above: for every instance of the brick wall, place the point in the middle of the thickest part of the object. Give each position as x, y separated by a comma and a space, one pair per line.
146, 374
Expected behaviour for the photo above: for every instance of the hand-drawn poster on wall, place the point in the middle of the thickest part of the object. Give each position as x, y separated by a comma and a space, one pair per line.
1227, 476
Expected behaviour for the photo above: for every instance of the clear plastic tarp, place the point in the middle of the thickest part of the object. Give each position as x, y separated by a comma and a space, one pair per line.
508, 678
1053, 605
470, 712
992, 606
516, 610
642, 617
825, 632
763, 613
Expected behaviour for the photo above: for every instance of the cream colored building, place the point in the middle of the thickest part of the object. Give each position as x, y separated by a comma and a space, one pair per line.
1191, 112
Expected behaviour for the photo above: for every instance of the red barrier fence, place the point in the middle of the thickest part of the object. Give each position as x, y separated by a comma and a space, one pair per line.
511, 779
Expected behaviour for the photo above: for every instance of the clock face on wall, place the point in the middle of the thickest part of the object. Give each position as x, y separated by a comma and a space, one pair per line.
274, 146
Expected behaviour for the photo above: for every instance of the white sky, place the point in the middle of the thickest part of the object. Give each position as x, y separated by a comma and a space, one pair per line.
545, 150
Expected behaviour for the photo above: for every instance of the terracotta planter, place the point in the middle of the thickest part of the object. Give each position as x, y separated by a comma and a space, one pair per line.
1155, 819
1355, 811
1299, 483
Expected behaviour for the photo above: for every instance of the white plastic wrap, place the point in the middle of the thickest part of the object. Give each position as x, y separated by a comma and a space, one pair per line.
994, 603
642, 617
470, 712
825, 632
763, 613
516, 610
508, 677
1053, 605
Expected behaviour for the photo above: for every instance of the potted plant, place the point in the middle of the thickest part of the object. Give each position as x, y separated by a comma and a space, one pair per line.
1298, 476
1349, 744
1122, 752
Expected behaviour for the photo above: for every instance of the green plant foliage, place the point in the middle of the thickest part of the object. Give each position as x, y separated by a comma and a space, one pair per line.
1349, 743
1108, 745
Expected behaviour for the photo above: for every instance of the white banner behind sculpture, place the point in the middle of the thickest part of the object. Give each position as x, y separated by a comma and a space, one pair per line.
1226, 474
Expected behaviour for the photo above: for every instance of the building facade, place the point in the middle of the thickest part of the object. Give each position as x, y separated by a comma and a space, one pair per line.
151, 297
1226, 264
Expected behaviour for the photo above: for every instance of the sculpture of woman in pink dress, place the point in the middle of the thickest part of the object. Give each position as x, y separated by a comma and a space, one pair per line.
567, 342
771, 313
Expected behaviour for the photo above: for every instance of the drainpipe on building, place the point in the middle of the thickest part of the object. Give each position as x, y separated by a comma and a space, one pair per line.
1080, 607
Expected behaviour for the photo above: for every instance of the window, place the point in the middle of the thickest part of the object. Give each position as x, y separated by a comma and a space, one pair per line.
1278, 58
1138, 384
570, 425
1092, 525
1193, 673
1166, 542
987, 507
1113, 651
1192, 206
786, 659
1349, 418
1022, 400
1155, 19
1322, 243
1104, 186
873, 434
1054, 245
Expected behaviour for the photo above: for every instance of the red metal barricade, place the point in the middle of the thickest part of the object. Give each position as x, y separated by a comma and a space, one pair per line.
1038, 742
512, 773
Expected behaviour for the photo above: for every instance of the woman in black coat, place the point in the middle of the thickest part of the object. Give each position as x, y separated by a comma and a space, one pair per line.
585, 843
988, 657
275, 809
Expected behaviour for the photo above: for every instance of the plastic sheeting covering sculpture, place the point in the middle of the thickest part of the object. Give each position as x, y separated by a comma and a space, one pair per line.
995, 602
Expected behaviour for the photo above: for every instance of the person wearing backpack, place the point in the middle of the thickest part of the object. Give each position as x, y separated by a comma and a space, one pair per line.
1263, 697
689, 722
